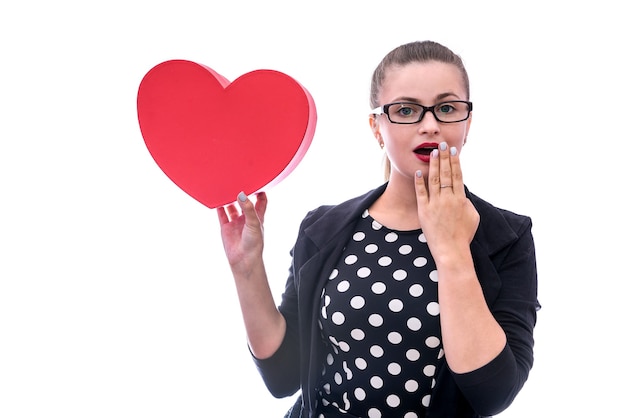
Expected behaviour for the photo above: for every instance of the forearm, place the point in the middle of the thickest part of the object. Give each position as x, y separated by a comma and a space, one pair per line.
471, 335
265, 325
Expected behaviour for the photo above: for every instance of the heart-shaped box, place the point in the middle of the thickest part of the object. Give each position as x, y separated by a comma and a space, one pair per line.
214, 138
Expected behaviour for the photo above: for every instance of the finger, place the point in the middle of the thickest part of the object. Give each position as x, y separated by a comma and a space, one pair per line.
261, 205
434, 180
222, 216
248, 210
445, 171
232, 212
420, 189
455, 166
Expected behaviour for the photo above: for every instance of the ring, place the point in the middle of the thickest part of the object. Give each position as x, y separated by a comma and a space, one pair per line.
443, 186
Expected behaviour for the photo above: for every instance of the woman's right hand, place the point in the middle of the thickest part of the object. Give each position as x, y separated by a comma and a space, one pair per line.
242, 232
242, 235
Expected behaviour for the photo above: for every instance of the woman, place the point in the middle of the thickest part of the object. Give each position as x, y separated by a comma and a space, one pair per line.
417, 299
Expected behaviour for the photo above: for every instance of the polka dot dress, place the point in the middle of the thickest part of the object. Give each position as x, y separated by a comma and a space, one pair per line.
380, 320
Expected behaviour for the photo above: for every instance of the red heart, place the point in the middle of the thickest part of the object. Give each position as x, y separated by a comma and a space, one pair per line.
213, 138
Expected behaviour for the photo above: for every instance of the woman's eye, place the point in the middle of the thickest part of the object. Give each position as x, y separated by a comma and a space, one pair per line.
446, 108
406, 111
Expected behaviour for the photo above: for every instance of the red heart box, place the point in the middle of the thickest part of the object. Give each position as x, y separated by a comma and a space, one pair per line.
213, 138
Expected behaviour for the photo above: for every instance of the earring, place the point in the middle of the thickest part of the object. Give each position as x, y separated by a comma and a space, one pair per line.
382, 144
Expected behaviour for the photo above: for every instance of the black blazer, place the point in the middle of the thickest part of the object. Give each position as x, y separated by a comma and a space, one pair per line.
504, 258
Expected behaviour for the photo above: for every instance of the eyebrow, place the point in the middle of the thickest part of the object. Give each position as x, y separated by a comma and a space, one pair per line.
440, 96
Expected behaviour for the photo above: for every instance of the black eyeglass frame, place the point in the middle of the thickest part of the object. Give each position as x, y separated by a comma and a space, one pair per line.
384, 109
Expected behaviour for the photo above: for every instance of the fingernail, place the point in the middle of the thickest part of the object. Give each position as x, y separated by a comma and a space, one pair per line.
418, 173
435, 153
453, 151
242, 197
443, 146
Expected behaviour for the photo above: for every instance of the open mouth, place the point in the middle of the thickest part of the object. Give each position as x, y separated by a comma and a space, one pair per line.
424, 150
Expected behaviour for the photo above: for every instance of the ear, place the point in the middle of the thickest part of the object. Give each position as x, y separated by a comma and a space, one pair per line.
374, 126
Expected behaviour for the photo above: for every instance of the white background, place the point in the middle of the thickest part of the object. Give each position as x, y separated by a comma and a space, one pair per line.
115, 298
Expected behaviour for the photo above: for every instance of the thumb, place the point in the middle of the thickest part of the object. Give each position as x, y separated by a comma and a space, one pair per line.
248, 210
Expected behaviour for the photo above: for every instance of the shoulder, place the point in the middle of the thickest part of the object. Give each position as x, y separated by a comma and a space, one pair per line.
343, 211
325, 222
498, 227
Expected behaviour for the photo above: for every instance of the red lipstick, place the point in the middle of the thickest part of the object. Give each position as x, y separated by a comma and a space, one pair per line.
423, 150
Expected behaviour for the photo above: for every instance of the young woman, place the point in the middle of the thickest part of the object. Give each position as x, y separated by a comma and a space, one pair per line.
417, 299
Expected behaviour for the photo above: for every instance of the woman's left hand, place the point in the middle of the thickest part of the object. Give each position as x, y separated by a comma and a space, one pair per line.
447, 217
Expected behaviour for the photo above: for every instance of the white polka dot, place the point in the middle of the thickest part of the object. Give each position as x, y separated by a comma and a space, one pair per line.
346, 402
376, 351
412, 354
357, 302
414, 324
326, 300
422, 238
333, 274
376, 382
432, 342
371, 248
410, 415
357, 334
393, 401
384, 261
345, 347
416, 290
420, 262
347, 370
374, 413
405, 249
394, 337
330, 359
351, 259
391, 237
411, 385
338, 318
343, 286
363, 272
358, 236
338, 378
379, 288
375, 320
429, 370
394, 369
399, 275
434, 276
376, 226
426, 401
359, 394
433, 308
395, 305
327, 388
360, 363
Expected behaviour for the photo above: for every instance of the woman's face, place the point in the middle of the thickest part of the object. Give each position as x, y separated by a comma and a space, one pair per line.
408, 146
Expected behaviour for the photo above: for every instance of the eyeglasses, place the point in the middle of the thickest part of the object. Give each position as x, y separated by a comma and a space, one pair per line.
407, 112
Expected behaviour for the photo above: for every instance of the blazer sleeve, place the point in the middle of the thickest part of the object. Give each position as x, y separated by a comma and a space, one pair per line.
492, 388
280, 372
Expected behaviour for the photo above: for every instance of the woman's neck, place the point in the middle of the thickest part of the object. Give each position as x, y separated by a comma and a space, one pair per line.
396, 208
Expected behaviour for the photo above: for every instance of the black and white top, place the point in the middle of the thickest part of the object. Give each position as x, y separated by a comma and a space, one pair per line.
380, 321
